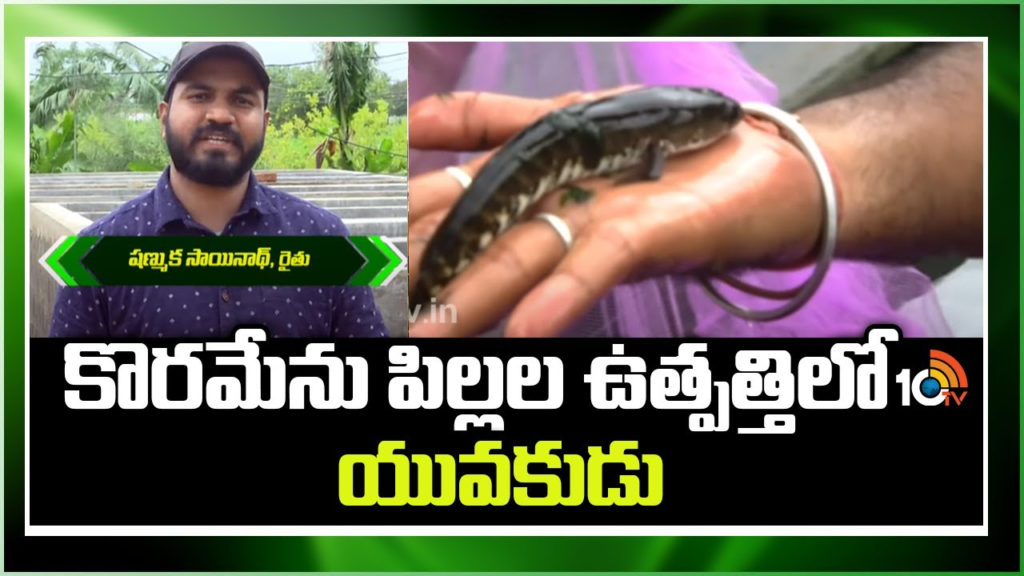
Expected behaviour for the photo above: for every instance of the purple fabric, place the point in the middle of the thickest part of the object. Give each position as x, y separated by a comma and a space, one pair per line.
853, 296
208, 311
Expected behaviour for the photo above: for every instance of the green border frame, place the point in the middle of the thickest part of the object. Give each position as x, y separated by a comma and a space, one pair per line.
1000, 22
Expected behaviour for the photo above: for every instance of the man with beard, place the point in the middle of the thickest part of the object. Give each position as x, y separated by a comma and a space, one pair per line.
214, 117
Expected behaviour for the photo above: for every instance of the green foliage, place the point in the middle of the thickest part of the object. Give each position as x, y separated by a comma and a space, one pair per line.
82, 79
291, 89
398, 98
292, 144
139, 76
350, 68
121, 143
94, 110
52, 150
376, 129
377, 88
68, 78
395, 94
296, 143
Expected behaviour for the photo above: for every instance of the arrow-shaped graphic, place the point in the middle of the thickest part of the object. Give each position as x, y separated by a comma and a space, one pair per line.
49, 260
375, 260
64, 261
383, 261
71, 261
396, 259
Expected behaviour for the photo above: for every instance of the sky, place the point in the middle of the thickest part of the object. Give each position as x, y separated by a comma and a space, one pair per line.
280, 52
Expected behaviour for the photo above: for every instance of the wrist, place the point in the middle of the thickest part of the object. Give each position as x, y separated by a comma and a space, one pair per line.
808, 248
791, 217
781, 224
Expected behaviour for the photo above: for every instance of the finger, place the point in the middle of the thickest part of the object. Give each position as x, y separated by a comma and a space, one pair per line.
480, 296
439, 190
483, 120
599, 260
466, 121
500, 276
577, 216
431, 197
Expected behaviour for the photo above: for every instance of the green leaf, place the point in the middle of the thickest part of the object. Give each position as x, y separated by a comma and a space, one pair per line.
53, 140
63, 157
68, 124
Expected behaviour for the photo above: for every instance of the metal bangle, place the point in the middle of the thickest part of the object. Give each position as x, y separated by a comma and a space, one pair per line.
803, 140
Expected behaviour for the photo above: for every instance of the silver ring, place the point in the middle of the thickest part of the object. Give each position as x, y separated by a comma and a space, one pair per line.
460, 175
805, 142
560, 227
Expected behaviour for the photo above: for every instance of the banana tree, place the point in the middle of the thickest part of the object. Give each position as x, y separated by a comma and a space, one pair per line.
80, 80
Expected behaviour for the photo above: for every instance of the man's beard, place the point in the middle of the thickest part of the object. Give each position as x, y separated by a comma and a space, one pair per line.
215, 169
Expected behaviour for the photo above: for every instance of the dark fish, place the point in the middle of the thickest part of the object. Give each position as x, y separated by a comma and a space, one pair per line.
632, 130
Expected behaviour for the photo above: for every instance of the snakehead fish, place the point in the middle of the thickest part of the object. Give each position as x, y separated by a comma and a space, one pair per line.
633, 130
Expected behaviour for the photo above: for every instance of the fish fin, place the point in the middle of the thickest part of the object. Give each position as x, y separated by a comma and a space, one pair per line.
650, 168
586, 131
654, 161
591, 145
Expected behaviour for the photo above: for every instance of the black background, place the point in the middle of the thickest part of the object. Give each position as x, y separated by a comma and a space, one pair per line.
999, 551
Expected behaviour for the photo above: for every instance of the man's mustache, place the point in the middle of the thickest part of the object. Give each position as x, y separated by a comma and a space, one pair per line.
225, 133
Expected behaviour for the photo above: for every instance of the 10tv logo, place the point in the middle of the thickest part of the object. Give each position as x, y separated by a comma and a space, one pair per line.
943, 382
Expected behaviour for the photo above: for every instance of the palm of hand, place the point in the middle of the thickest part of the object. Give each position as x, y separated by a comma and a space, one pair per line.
750, 198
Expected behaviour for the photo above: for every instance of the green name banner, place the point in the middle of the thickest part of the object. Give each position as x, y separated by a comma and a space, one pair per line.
223, 261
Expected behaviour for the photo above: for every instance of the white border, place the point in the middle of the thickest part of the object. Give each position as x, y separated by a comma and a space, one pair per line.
984, 282
484, 530
546, 530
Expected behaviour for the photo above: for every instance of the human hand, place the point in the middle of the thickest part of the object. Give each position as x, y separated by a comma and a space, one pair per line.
751, 198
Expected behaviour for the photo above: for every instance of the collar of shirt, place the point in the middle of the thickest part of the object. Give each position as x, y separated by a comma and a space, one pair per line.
169, 210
